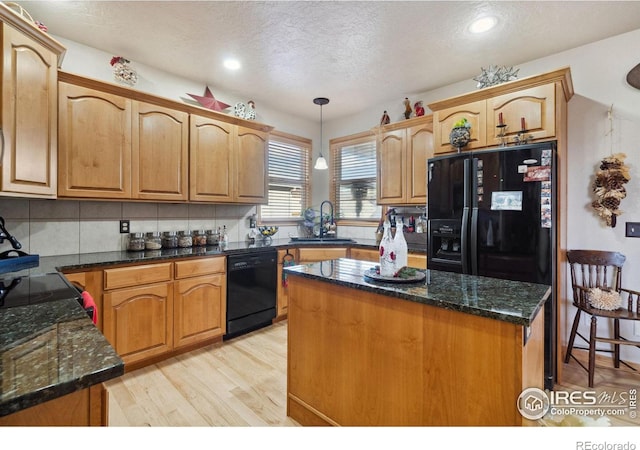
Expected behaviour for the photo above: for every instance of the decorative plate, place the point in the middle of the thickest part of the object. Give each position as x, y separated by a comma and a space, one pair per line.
373, 275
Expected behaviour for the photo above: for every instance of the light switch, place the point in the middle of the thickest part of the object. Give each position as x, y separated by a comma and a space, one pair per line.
633, 229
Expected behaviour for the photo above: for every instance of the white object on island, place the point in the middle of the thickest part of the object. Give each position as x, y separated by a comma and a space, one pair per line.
400, 244
387, 251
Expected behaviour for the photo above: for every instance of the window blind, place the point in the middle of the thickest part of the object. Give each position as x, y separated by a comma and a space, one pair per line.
354, 175
289, 184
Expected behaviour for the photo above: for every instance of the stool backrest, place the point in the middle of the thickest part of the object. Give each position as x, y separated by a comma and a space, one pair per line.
595, 268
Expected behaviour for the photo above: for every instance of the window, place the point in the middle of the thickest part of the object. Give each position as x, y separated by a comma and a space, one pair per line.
354, 172
289, 180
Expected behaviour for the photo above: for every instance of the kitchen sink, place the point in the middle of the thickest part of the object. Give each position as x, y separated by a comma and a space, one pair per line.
323, 240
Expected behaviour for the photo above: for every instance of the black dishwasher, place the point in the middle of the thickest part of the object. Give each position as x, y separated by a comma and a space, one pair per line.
251, 291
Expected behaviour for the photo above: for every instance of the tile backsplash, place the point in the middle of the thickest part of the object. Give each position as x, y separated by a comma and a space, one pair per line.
61, 227
65, 227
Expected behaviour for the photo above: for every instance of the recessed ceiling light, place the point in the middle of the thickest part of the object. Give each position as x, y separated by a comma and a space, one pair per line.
483, 24
232, 64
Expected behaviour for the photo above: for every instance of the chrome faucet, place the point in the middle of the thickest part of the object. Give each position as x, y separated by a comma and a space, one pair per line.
322, 222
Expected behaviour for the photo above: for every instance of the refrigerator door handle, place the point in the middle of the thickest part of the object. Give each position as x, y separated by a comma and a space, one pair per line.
474, 241
464, 241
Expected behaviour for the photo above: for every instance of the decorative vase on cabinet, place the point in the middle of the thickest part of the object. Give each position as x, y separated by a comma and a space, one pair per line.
459, 137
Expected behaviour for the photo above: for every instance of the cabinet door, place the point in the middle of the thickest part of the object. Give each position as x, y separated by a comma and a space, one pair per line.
443, 122
138, 322
28, 118
391, 160
159, 158
419, 150
536, 105
199, 309
252, 165
211, 165
95, 143
283, 289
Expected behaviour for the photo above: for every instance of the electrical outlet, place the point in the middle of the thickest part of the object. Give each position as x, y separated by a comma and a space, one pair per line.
124, 226
633, 229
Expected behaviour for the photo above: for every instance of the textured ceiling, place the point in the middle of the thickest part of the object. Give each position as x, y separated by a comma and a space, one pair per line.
356, 53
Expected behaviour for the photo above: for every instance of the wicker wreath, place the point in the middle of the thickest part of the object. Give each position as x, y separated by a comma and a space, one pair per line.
609, 189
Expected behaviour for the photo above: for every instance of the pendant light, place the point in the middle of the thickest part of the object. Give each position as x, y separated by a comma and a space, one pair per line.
321, 163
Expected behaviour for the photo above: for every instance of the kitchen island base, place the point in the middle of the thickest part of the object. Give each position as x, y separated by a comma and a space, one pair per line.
357, 358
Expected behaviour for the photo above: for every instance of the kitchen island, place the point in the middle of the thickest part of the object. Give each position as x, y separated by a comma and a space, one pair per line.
450, 350
53, 360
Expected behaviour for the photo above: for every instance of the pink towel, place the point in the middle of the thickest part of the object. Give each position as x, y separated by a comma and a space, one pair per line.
88, 302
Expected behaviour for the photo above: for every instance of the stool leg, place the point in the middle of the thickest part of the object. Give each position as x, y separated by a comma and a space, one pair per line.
592, 350
572, 336
616, 347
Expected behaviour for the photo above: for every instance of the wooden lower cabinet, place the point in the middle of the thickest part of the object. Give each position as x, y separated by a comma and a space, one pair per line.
152, 310
138, 322
283, 288
199, 309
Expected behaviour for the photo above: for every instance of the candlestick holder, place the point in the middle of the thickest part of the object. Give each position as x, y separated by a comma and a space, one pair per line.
522, 137
503, 137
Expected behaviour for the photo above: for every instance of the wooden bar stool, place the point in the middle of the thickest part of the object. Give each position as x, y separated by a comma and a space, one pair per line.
596, 280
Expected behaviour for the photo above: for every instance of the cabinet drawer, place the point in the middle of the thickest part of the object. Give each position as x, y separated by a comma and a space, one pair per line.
185, 269
364, 254
320, 254
136, 275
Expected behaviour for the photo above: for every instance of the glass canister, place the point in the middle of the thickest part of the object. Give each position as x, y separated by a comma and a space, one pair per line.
153, 241
199, 238
185, 239
169, 239
213, 237
136, 242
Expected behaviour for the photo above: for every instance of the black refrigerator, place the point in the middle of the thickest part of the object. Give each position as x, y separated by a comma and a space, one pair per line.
492, 213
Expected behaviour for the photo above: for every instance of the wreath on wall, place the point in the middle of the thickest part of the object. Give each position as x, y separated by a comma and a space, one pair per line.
609, 189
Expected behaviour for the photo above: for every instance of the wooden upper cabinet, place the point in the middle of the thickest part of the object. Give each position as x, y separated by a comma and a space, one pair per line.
160, 146
402, 162
537, 99
392, 165
95, 143
211, 163
228, 162
419, 150
252, 165
118, 143
29, 115
476, 115
536, 105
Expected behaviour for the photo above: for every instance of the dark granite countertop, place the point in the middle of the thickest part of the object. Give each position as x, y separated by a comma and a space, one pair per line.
48, 350
87, 261
510, 301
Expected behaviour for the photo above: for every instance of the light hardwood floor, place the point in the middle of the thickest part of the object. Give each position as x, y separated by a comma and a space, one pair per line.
243, 382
